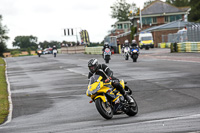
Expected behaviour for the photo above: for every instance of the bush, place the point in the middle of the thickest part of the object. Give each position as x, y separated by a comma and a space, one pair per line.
95, 45
29, 51
2, 49
15, 52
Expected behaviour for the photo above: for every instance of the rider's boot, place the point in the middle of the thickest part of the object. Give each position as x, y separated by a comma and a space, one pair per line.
119, 87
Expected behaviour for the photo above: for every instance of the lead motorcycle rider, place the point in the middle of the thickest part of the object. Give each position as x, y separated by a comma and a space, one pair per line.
103, 70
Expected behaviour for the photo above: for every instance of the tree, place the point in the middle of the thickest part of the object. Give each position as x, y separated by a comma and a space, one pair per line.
133, 32
179, 3
3, 37
25, 42
194, 15
46, 44
2, 49
148, 3
121, 10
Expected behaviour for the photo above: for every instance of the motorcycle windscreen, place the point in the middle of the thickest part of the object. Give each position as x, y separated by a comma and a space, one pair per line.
94, 79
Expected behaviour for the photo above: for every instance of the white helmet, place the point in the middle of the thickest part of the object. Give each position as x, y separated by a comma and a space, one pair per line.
126, 41
133, 41
106, 43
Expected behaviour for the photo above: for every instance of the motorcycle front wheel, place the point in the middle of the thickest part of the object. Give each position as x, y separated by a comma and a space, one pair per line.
147, 48
126, 57
107, 60
106, 111
135, 58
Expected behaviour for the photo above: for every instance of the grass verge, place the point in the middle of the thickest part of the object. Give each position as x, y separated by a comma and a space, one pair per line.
4, 104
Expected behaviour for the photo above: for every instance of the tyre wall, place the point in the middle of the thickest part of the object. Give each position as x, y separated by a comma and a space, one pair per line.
181, 47
93, 50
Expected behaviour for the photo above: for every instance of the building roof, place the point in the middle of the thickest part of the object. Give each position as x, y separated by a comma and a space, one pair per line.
171, 25
159, 7
122, 22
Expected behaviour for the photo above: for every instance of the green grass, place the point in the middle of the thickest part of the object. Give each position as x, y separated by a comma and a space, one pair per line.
4, 104
26, 55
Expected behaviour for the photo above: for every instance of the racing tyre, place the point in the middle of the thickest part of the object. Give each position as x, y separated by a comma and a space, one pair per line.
135, 58
152, 46
107, 60
126, 58
106, 112
133, 109
146, 48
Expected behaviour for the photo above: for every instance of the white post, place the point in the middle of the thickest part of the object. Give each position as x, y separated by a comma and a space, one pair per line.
140, 19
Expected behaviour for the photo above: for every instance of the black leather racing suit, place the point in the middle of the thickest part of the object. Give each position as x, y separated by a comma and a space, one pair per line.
104, 69
54, 48
134, 45
104, 47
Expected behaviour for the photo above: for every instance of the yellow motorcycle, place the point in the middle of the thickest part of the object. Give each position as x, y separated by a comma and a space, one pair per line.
108, 100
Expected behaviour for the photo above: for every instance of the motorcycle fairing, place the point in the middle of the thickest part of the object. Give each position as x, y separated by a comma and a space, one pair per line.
117, 96
126, 49
92, 89
97, 86
107, 51
40, 51
134, 49
103, 98
122, 83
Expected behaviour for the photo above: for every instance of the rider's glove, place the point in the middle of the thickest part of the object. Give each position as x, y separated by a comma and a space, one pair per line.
107, 80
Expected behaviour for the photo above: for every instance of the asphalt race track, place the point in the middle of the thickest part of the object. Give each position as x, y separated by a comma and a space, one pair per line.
48, 94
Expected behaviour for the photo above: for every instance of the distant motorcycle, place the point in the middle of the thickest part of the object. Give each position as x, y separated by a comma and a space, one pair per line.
106, 55
134, 53
126, 53
39, 52
54, 52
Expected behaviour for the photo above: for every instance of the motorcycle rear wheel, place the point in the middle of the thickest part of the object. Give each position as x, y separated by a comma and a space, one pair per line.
106, 112
133, 109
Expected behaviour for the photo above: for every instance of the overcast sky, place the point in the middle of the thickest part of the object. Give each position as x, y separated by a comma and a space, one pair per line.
46, 19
